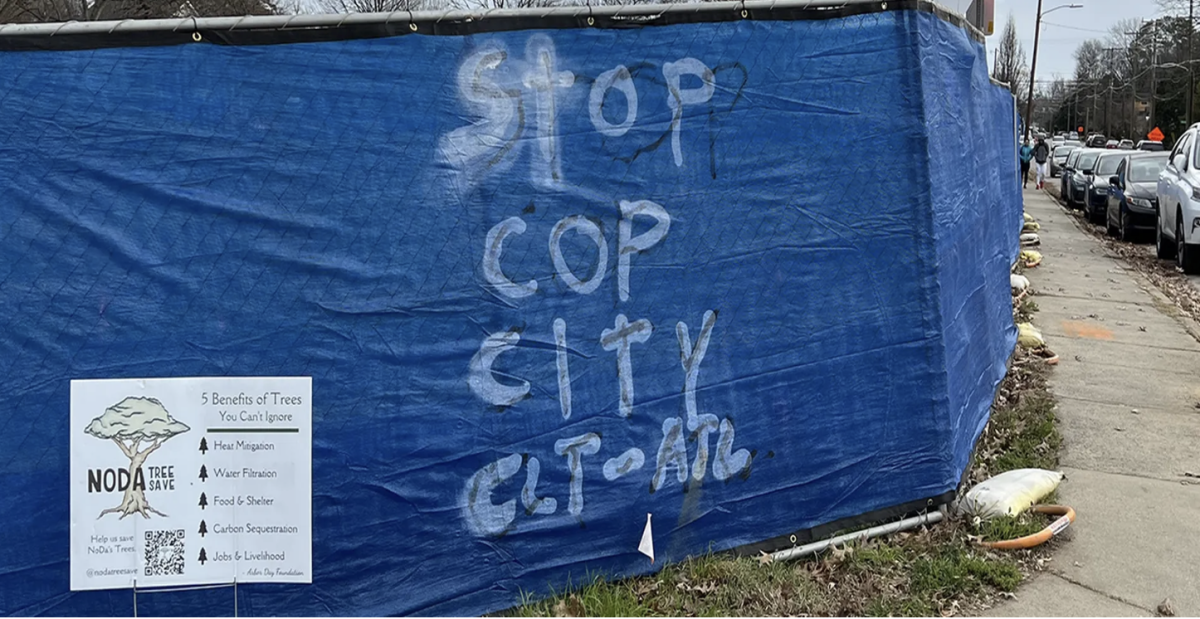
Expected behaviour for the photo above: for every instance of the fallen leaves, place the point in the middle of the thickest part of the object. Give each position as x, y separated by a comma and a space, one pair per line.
569, 606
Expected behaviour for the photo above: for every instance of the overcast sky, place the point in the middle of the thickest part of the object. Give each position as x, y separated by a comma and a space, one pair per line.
1063, 30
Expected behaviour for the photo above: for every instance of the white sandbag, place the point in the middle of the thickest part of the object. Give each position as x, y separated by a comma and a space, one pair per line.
1009, 494
1019, 283
1030, 239
1028, 336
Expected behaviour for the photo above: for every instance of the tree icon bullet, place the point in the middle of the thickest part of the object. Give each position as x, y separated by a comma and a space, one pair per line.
203, 500
203, 473
203, 446
203, 557
203, 528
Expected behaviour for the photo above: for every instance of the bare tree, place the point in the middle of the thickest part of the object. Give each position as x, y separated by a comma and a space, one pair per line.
25, 11
373, 6
484, 5
1175, 7
1009, 65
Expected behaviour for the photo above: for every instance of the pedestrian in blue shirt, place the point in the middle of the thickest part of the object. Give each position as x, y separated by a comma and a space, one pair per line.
1026, 157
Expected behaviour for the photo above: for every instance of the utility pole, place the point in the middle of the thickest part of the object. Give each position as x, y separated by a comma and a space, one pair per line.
1037, 32
1111, 79
1132, 55
1108, 94
1153, 73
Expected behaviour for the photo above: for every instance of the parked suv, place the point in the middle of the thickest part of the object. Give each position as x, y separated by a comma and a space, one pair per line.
1177, 234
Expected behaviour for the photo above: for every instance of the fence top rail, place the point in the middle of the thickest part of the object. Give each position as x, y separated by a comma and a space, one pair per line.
624, 14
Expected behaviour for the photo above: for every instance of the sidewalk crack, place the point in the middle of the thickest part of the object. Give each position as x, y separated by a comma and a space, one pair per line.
1115, 598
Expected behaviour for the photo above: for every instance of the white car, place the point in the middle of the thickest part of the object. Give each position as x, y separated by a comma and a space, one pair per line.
1178, 231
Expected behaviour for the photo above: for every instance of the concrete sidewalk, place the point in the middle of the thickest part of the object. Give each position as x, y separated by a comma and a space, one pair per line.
1136, 541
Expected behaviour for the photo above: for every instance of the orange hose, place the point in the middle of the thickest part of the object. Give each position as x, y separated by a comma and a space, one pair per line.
1066, 517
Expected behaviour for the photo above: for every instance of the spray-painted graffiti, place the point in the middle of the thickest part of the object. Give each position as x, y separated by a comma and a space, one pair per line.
483, 515
508, 95
499, 98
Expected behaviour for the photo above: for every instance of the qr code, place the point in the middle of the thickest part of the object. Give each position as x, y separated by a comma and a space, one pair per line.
164, 553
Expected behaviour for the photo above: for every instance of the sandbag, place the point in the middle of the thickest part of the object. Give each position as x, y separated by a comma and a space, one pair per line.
1031, 258
1030, 239
1009, 494
1029, 337
1019, 283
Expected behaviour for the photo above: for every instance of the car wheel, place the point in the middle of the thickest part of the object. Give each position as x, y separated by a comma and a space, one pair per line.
1186, 256
1126, 227
1109, 228
1163, 248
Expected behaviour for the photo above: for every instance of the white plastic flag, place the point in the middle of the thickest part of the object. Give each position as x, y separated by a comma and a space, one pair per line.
646, 546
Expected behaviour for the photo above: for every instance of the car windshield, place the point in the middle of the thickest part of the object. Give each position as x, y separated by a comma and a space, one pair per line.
1108, 165
1144, 170
1063, 151
1153, 146
1086, 161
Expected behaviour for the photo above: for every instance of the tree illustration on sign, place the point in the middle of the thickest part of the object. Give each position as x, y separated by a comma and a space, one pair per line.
129, 423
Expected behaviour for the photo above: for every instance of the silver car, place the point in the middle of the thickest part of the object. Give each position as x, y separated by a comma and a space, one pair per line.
1058, 157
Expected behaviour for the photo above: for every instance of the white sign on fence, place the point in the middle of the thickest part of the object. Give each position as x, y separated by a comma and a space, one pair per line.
190, 481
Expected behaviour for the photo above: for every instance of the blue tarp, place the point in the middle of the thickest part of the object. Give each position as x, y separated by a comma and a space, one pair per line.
768, 260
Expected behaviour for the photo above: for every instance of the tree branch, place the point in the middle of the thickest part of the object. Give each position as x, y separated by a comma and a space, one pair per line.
124, 449
150, 449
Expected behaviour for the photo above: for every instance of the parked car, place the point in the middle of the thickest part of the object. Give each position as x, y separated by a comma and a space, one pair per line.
1081, 174
1111, 144
1096, 201
1075, 143
1067, 171
1059, 158
1176, 235
1150, 145
1133, 194
1125, 145
1096, 140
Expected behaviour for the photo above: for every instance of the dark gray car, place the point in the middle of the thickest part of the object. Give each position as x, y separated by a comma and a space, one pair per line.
1133, 195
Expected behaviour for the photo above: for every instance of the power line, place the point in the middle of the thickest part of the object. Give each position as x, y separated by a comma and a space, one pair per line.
1046, 23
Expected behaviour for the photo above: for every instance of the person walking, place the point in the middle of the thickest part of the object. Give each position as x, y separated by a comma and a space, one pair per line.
1041, 154
1026, 157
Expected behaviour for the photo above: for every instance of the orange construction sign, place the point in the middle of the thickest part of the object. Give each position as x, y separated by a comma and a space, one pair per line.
1155, 134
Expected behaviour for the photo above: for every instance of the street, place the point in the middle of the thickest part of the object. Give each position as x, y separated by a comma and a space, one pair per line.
1128, 393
